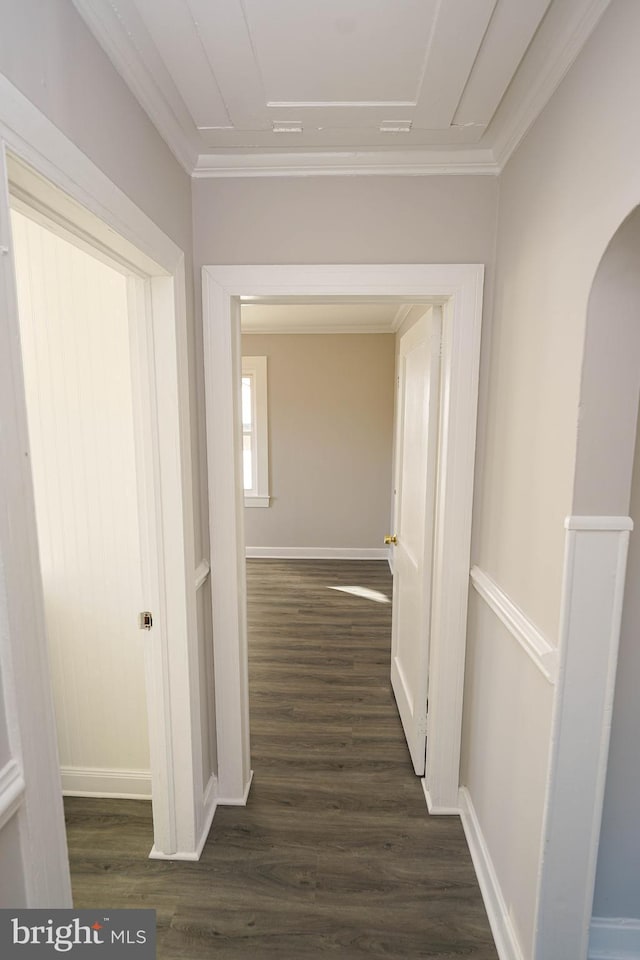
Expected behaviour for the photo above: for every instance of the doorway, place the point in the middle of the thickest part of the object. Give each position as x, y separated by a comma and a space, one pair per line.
152, 271
332, 394
74, 330
457, 289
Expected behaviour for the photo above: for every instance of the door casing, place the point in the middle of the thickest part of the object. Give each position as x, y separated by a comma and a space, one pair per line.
74, 191
457, 288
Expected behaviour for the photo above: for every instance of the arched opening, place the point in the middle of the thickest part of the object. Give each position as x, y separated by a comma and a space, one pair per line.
597, 540
607, 481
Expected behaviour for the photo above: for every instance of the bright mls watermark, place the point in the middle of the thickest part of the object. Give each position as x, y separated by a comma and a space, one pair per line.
79, 933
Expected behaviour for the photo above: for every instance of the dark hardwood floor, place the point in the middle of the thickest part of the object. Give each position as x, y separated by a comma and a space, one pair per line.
335, 854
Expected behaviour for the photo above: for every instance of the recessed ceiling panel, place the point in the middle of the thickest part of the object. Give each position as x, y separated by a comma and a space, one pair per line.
176, 37
457, 37
341, 79
512, 26
337, 51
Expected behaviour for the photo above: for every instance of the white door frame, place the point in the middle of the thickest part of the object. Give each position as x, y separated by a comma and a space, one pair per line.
458, 287
93, 207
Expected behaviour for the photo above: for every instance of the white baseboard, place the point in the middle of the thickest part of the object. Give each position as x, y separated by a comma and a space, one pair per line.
501, 927
99, 782
544, 654
434, 809
614, 938
210, 804
237, 801
317, 553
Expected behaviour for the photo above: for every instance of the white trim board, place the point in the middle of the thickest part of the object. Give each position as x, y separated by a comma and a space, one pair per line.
464, 162
614, 938
534, 644
202, 573
318, 553
458, 288
209, 807
592, 598
240, 801
98, 782
12, 787
502, 929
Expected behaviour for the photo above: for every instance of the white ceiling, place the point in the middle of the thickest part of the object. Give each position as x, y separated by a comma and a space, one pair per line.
311, 86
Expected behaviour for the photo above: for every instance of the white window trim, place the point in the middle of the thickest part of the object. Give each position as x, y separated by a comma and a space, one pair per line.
256, 367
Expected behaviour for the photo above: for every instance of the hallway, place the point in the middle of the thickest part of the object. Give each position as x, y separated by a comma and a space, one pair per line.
335, 854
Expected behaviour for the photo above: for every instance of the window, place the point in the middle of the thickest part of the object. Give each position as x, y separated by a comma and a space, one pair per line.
255, 440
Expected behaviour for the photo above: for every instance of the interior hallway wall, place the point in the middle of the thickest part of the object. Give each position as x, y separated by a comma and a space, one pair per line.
330, 403
298, 220
77, 370
563, 194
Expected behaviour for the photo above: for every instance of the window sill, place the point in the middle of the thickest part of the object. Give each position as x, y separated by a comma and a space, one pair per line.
257, 501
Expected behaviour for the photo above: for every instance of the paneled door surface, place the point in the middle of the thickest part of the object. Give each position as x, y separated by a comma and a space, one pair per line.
417, 417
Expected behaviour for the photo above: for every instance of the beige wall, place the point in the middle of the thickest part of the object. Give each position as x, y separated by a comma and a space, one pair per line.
330, 401
563, 195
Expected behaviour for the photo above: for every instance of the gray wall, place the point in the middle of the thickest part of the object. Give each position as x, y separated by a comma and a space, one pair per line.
330, 400
345, 220
49, 54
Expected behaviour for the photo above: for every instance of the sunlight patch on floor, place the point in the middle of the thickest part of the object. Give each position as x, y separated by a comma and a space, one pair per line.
364, 592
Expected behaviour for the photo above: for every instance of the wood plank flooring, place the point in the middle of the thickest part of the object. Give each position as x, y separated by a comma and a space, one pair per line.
335, 854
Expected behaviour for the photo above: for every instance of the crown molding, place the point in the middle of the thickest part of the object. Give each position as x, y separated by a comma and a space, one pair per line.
252, 327
398, 163
123, 37
401, 315
535, 83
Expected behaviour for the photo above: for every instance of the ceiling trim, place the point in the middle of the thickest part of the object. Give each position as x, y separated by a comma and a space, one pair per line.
157, 95
402, 313
530, 92
286, 322
405, 163
251, 327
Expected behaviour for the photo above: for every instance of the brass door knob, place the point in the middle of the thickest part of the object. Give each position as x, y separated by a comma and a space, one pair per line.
392, 539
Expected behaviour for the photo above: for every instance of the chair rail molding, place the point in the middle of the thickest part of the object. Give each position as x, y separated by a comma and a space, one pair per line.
521, 628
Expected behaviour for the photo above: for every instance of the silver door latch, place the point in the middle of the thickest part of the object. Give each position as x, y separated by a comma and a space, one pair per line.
145, 620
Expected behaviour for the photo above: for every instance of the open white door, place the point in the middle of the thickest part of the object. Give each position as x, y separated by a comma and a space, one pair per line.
417, 419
